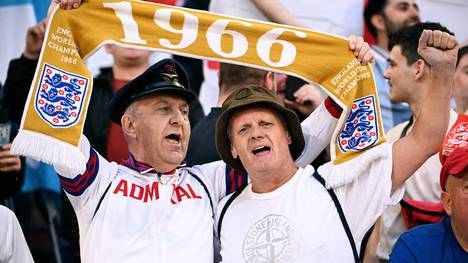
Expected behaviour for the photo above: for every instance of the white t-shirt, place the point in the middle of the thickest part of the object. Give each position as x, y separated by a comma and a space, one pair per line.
146, 218
298, 222
13, 246
333, 16
423, 185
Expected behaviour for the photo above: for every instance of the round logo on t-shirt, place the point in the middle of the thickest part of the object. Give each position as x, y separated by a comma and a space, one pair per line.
271, 239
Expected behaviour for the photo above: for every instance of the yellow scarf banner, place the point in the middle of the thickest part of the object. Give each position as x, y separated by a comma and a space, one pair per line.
60, 92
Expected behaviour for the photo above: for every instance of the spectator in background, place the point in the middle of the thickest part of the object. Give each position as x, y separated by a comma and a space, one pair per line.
446, 241
13, 247
409, 76
383, 18
460, 82
11, 167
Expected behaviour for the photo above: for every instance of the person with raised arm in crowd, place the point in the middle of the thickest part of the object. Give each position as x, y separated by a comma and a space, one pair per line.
299, 214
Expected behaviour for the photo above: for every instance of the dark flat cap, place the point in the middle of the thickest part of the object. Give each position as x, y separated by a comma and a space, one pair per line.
166, 77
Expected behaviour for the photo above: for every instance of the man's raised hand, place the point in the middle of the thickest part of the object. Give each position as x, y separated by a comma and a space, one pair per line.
439, 49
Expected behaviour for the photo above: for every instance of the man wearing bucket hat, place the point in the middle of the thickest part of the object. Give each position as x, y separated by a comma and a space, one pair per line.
295, 214
446, 241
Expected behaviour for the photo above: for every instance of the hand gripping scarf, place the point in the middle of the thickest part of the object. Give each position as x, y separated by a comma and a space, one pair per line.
60, 92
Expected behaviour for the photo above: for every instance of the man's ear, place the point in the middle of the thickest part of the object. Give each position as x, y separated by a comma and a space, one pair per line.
288, 135
378, 22
128, 125
234, 151
446, 202
420, 68
268, 81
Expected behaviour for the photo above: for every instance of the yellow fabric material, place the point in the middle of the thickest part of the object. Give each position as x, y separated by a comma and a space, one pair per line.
73, 35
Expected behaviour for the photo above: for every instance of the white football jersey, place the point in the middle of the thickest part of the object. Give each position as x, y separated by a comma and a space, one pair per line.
148, 217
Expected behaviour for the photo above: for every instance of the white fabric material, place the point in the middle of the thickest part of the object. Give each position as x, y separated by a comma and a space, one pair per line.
13, 246
317, 129
298, 222
332, 16
423, 185
209, 89
134, 224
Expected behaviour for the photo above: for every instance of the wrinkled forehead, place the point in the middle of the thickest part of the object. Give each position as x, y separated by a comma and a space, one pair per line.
254, 113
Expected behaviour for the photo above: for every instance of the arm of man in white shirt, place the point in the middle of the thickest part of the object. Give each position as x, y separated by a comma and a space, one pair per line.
439, 50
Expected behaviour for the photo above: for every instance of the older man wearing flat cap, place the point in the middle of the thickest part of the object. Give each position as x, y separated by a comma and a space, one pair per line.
293, 214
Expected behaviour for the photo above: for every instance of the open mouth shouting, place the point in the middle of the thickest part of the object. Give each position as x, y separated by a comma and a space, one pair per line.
174, 138
261, 150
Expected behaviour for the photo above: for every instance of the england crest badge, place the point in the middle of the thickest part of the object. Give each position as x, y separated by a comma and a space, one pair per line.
360, 130
59, 98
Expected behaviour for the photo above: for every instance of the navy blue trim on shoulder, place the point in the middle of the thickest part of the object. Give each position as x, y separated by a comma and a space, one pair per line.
235, 180
77, 185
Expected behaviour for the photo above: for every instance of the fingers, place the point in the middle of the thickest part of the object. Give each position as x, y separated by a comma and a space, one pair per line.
6, 147
42, 26
355, 44
451, 43
76, 4
5, 152
9, 161
68, 4
352, 42
307, 93
361, 50
437, 39
424, 39
38, 30
443, 42
366, 54
11, 164
369, 57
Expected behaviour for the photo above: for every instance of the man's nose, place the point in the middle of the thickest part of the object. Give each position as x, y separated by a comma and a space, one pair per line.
257, 132
177, 117
386, 74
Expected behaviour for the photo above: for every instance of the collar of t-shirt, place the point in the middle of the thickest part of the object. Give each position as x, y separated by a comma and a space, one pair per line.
285, 187
143, 168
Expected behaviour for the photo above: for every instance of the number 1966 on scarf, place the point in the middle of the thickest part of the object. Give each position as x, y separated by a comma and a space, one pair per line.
224, 42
